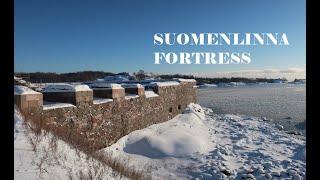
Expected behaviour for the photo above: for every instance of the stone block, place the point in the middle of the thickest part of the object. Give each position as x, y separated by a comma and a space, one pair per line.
85, 97
29, 101
118, 93
141, 91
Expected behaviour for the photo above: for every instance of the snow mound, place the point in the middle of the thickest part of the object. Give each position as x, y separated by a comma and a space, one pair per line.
82, 87
136, 85
58, 87
156, 141
106, 85
64, 87
19, 90
168, 83
185, 80
200, 144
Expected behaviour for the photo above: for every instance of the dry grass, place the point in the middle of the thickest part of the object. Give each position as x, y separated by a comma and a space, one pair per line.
121, 166
80, 144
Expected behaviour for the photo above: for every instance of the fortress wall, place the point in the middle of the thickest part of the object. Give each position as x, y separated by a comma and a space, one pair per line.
103, 124
72, 97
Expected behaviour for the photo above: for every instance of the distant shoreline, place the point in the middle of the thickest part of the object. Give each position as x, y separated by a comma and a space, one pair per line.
82, 76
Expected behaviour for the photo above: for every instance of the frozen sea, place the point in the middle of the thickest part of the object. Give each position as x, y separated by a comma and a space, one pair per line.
282, 103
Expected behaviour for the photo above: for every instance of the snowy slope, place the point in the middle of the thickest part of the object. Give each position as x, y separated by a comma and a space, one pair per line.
200, 144
51, 158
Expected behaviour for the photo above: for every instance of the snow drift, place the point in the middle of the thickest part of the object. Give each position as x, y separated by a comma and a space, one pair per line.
157, 142
201, 144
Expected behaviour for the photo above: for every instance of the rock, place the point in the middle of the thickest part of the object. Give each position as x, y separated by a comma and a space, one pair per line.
250, 176
284, 174
240, 125
248, 118
227, 172
224, 151
296, 177
261, 171
302, 174
218, 176
294, 132
249, 171
267, 165
292, 172
219, 154
277, 174
207, 176
278, 126
286, 161
268, 176
265, 119
233, 120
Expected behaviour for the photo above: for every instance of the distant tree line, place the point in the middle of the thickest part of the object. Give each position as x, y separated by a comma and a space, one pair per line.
49, 77
82, 76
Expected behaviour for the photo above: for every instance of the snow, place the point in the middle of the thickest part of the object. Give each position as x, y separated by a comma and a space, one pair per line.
150, 94
185, 80
54, 105
155, 141
131, 85
82, 87
231, 84
16, 78
116, 78
58, 87
46, 162
65, 87
131, 96
106, 85
237, 83
101, 100
197, 144
204, 145
209, 85
168, 83
20, 90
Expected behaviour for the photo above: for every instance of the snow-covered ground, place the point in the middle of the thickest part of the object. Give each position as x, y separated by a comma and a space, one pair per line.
45, 157
197, 144
201, 144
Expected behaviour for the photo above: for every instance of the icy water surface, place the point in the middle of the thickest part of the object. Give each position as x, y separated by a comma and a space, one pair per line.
283, 103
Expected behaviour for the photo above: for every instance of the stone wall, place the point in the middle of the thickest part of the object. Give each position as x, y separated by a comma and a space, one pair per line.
103, 124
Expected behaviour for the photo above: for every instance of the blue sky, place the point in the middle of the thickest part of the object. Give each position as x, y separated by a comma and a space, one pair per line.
115, 36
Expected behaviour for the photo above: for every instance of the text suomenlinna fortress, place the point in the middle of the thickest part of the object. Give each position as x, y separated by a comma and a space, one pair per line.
170, 41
